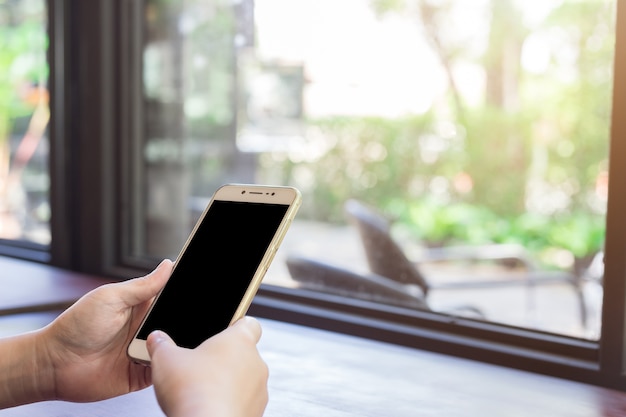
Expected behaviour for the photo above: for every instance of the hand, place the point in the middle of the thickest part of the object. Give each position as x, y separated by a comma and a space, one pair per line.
225, 376
86, 344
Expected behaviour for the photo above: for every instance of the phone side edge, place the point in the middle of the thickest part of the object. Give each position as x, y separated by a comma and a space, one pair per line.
137, 351
269, 256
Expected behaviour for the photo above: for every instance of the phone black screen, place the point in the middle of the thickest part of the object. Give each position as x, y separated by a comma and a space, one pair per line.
213, 273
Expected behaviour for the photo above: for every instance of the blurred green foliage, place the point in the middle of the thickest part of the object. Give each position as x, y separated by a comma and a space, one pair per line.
527, 164
409, 167
435, 224
23, 42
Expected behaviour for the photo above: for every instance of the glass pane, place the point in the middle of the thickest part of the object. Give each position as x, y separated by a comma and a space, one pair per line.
452, 154
24, 114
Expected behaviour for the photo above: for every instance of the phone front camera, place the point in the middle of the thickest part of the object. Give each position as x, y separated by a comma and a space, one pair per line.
273, 193
243, 192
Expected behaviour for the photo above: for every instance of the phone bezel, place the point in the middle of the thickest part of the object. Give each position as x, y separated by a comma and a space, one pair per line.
252, 193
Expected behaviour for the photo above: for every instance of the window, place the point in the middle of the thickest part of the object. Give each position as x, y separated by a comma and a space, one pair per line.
425, 117
490, 132
24, 114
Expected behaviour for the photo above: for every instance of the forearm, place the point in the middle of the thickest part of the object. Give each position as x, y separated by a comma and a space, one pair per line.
24, 376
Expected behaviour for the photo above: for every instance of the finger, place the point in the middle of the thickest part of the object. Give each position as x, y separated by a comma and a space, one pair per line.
138, 290
158, 340
248, 326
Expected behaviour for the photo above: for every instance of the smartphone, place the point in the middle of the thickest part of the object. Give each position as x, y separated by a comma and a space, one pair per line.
220, 267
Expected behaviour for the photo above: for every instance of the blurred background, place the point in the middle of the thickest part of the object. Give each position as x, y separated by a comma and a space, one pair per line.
477, 124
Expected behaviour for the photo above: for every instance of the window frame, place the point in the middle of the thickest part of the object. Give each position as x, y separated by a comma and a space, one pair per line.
95, 114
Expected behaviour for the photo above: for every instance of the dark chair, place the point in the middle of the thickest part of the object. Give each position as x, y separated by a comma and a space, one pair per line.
387, 258
321, 276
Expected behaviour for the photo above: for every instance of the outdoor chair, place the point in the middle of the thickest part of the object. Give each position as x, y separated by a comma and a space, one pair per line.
321, 276
387, 258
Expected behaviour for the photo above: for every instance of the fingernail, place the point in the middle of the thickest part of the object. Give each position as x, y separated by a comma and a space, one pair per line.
158, 336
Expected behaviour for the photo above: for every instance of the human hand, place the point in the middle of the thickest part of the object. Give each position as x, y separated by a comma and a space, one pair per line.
86, 345
225, 376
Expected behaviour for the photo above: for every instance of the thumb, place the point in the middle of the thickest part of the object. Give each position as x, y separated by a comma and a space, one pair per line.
139, 290
158, 340
248, 326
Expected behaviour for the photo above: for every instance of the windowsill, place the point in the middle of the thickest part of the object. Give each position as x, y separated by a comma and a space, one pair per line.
30, 286
316, 372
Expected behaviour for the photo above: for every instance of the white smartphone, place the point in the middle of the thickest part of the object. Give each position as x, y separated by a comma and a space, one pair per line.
219, 270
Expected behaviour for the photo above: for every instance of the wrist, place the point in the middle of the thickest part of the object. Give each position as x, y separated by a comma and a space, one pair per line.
190, 402
26, 375
198, 407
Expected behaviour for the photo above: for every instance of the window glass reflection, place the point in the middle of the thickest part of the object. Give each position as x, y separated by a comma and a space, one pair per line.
477, 131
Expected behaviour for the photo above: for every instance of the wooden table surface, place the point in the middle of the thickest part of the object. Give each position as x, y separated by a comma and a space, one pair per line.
28, 286
319, 373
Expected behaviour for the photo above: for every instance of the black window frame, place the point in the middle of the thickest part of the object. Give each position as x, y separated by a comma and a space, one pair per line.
95, 115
